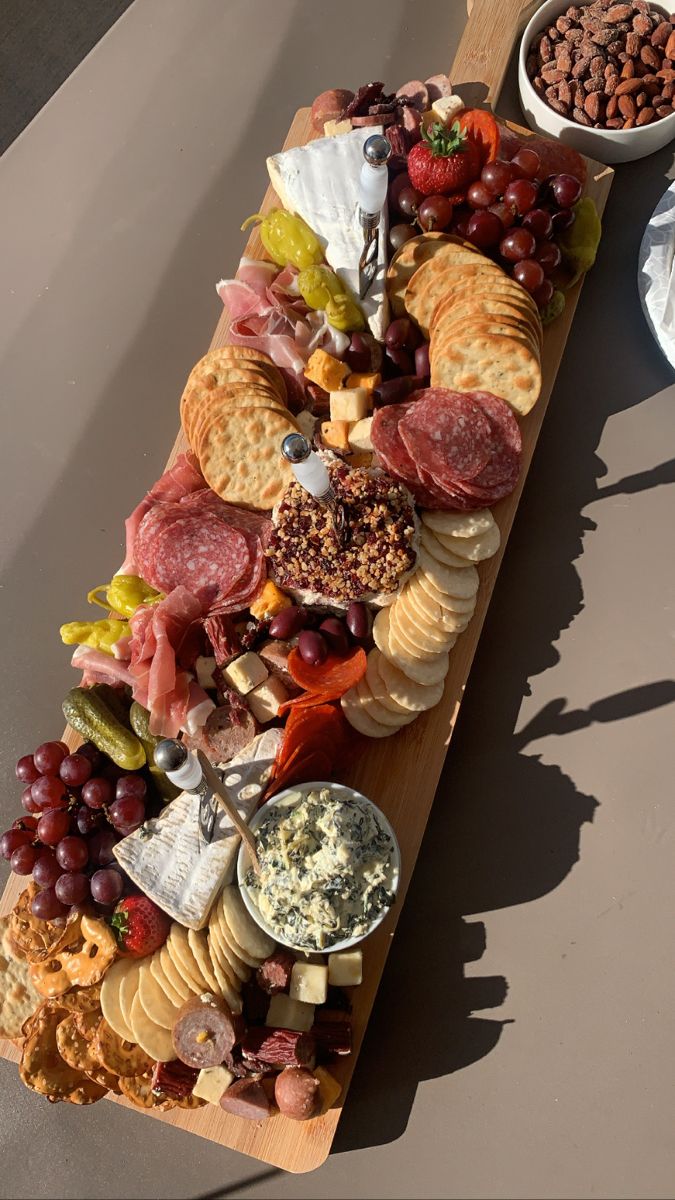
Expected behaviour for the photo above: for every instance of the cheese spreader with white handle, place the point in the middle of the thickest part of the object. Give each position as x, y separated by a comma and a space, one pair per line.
373, 183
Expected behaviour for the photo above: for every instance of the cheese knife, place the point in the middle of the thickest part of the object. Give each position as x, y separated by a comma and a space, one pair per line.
373, 183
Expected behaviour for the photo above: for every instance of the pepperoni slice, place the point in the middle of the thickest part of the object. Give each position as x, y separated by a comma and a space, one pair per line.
334, 676
448, 432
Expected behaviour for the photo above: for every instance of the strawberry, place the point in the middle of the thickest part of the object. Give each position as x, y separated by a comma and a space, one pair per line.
141, 927
445, 161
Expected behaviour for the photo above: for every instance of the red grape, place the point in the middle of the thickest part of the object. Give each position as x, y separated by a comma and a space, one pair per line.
529, 274
53, 825
562, 219
23, 860
106, 886
435, 213
72, 853
49, 756
398, 234
10, 841
517, 244
100, 847
72, 887
539, 222
521, 195
27, 800
527, 161
25, 823
98, 792
484, 229
46, 870
75, 770
110, 770
548, 254
395, 188
132, 785
497, 176
543, 293
504, 212
87, 819
408, 201
480, 194
92, 752
127, 814
401, 335
422, 364
26, 770
49, 792
566, 190
46, 905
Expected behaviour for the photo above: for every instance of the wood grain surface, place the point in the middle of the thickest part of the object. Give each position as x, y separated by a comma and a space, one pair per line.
400, 774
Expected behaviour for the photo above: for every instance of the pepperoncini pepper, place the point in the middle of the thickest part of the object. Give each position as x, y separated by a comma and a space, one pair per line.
124, 594
100, 635
321, 288
579, 242
288, 239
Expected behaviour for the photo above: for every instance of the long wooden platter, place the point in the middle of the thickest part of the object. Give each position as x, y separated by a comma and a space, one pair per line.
400, 775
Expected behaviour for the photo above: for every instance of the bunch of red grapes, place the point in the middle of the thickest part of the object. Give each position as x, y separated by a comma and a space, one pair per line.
510, 214
78, 805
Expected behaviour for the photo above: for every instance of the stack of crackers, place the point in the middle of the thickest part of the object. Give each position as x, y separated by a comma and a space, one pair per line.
414, 635
233, 413
484, 329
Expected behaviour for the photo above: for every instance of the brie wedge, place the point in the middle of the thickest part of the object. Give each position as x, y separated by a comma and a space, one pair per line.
320, 182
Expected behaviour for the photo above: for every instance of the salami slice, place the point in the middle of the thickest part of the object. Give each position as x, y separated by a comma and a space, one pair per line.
506, 442
249, 585
201, 553
447, 432
555, 157
393, 454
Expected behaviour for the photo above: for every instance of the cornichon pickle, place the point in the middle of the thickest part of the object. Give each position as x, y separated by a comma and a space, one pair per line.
139, 718
88, 713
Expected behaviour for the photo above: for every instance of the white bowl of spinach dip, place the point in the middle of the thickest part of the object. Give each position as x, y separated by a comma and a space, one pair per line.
329, 867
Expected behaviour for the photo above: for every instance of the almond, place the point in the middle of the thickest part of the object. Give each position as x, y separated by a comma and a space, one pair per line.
661, 35
612, 107
628, 87
670, 46
650, 57
645, 116
628, 69
618, 12
627, 107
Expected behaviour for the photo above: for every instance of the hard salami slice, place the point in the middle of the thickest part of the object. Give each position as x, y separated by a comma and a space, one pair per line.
447, 432
506, 442
394, 456
249, 585
200, 552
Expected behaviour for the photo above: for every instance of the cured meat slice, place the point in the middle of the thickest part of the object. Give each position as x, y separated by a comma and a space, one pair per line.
394, 456
506, 442
446, 498
198, 551
181, 479
248, 587
158, 630
554, 156
223, 637
329, 679
448, 432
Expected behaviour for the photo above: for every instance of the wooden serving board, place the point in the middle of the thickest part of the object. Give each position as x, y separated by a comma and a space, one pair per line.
400, 774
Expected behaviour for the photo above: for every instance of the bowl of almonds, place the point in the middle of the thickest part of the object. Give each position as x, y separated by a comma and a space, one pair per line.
600, 76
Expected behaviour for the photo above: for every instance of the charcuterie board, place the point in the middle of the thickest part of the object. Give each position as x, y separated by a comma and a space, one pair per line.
401, 776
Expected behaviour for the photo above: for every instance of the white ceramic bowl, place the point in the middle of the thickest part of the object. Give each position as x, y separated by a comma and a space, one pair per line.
244, 862
605, 145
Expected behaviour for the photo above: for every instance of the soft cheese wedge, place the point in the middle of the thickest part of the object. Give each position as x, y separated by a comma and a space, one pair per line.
320, 182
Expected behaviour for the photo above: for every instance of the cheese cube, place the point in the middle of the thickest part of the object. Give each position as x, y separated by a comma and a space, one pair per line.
350, 404
246, 672
329, 1088
211, 1083
204, 668
309, 982
325, 370
290, 1014
334, 128
266, 699
345, 969
369, 381
270, 601
335, 435
446, 108
359, 435
306, 423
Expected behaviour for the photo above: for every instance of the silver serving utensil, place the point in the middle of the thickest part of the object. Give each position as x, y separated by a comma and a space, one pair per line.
373, 182
312, 474
185, 771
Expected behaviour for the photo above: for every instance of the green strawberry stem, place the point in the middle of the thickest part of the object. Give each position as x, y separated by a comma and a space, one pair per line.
120, 924
444, 141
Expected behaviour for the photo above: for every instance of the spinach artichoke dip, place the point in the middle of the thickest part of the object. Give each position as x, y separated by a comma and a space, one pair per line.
326, 869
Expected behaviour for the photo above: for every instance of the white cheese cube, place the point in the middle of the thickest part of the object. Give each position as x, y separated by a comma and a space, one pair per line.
306, 423
204, 668
446, 108
266, 699
349, 404
345, 969
246, 672
335, 128
211, 1083
286, 1013
359, 435
309, 982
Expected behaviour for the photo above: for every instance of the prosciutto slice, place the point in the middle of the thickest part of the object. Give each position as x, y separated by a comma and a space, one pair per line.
98, 667
158, 630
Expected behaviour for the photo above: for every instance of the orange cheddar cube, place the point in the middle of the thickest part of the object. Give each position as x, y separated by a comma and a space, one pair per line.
335, 435
326, 371
367, 381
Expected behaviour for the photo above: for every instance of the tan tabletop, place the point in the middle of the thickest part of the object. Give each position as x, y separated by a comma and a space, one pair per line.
522, 1041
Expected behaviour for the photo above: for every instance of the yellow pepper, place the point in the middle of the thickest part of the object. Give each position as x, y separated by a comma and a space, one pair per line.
123, 594
287, 238
320, 288
100, 635
579, 243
